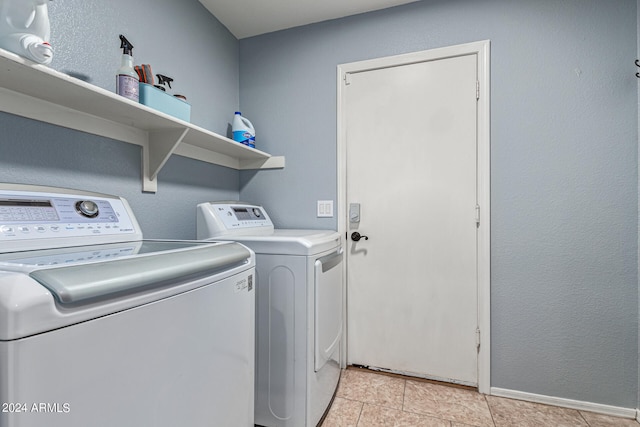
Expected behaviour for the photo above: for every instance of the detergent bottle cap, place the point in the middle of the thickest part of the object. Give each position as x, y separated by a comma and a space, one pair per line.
238, 113
125, 45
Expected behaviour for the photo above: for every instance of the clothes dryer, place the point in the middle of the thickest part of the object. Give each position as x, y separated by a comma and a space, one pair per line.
299, 305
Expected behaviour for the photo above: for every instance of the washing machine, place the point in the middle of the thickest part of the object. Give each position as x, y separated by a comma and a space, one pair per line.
299, 306
101, 328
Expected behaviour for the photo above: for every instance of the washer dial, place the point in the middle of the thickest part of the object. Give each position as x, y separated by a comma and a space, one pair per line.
87, 208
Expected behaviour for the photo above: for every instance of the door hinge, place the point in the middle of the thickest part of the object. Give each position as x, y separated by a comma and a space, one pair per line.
347, 78
477, 90
478, 338
477, 215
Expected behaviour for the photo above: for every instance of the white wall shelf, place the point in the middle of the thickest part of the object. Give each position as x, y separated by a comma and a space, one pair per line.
41, 93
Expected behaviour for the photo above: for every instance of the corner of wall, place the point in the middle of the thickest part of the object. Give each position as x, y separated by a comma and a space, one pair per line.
638, 89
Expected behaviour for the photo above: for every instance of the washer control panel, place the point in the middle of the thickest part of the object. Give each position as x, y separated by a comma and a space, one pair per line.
26, 215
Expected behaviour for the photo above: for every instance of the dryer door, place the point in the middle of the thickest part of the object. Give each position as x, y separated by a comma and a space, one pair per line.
328, 307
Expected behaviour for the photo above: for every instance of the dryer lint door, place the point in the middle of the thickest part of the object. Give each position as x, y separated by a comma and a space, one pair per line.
328, 307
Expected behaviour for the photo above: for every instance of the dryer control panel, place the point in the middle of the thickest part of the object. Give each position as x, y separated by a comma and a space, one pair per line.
231, 219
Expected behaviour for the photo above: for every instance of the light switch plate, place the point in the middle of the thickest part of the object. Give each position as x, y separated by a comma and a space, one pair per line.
325, 208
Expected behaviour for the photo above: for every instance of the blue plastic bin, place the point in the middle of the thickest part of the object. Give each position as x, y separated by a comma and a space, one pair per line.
162, 101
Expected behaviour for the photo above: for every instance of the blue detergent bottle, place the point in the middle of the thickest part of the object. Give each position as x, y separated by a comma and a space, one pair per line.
243, 131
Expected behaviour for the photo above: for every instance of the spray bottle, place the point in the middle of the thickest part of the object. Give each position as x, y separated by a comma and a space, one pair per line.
127, 79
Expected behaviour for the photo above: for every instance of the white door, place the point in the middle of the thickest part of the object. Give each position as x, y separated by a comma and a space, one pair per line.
411, 169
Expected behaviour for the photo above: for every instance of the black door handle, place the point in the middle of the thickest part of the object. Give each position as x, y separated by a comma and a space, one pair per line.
355, 236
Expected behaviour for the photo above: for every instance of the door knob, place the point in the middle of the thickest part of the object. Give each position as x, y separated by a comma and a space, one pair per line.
355, 236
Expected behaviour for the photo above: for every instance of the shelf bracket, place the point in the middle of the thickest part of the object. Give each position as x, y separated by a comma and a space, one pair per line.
156, 152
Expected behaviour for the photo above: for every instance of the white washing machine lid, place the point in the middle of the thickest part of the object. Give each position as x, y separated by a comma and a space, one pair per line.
47, 289
290, 241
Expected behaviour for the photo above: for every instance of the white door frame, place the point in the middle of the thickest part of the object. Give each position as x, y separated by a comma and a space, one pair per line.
482, 50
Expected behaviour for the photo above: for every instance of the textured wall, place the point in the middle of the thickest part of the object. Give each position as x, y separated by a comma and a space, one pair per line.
38, 153
564, 153
564, 180
180, 39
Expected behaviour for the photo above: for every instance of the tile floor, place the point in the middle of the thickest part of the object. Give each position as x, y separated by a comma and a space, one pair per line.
369, 399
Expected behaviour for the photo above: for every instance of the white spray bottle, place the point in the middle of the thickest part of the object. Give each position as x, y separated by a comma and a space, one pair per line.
25, 29
127, 79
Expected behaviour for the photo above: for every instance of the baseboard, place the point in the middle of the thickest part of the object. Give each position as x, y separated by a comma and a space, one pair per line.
615, 411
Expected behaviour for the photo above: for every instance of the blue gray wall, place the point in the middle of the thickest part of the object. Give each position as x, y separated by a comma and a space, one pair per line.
178, 38
564, 153
564, 181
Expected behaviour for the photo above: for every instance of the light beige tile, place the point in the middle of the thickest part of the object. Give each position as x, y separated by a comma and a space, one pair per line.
510, 412
450, 403
343, 413
375, 416
454, 424
599, 420
369, 387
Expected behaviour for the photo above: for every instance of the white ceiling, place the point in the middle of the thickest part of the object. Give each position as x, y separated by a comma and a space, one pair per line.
246, 18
